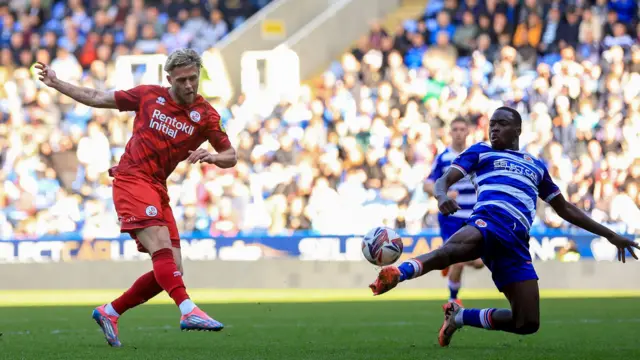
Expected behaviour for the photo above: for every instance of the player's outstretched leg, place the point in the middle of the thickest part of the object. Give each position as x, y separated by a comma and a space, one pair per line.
144, 289
465, 245
523, 318
157, 241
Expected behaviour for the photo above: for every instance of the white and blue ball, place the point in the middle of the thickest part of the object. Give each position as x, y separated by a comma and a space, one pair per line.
382, 246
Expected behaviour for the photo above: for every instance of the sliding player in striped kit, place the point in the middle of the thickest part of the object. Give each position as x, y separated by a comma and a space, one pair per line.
465, 195
509, 181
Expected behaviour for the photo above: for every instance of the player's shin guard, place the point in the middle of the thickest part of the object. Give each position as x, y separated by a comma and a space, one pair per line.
143, 289
168, 276
480, 318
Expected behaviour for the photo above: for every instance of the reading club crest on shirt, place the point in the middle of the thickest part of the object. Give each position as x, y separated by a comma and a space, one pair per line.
481, 223
195, 116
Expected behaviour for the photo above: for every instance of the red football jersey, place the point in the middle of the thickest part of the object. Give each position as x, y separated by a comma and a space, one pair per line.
164, 131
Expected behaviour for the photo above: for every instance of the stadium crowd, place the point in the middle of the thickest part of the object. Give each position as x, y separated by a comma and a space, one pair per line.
354, 148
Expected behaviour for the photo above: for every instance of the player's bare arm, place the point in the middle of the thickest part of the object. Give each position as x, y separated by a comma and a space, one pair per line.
224, 159
446, 204
90, 97
577, 217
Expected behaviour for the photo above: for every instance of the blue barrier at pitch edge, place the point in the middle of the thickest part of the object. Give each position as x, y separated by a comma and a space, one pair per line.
543, 244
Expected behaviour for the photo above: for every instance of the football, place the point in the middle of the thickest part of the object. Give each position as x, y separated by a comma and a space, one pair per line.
382, 246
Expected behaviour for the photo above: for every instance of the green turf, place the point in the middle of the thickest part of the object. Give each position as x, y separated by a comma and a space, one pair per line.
597, 328
218, 296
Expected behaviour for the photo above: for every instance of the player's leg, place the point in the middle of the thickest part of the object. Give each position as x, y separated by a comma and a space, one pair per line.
143, 289
523, 318
446, 230
177, 257
455, 282
465, 245
129, 196
476, 264
192, 317
515, 276
455, 278
156, 240
449, 226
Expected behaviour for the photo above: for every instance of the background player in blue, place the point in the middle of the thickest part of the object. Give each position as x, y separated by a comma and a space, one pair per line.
464, 192
509, 182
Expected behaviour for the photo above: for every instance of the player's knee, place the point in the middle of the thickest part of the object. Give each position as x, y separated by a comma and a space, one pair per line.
528, 327
161, 240
155, 238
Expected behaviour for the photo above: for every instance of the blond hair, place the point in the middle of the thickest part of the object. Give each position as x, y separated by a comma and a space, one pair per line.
181, 58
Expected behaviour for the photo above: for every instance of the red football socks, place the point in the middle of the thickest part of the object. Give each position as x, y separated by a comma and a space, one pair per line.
144, 289
168, 276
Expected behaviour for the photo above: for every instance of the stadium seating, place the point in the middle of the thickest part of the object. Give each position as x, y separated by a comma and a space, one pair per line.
354, 154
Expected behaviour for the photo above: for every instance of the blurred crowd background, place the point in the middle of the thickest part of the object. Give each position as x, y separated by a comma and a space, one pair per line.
352, 151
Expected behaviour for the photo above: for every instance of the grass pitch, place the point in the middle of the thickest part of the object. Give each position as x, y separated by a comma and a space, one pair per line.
322, 324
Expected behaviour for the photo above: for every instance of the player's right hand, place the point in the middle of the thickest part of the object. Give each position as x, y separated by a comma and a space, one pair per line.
448, 206
45, 74
622, 243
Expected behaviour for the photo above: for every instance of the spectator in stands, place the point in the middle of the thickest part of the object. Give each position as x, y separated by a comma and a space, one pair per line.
619, 37
354, 155
466, 33
569, 30
443, 23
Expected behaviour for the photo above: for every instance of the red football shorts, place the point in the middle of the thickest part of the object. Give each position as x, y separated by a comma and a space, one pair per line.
141, 204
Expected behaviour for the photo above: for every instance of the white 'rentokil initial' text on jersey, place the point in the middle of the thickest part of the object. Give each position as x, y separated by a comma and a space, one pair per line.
169, 125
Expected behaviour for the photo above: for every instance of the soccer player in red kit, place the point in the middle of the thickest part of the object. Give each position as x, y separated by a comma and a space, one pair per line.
170, 125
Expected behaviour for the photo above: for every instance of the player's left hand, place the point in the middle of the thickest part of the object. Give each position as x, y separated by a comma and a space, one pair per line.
201, 155
448, 206
622, 243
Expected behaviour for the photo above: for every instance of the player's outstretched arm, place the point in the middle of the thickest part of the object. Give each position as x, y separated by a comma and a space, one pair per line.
90, 97
447, 205
577, 217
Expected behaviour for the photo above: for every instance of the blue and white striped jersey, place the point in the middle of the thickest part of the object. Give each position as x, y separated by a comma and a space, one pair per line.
508, 183
466, 191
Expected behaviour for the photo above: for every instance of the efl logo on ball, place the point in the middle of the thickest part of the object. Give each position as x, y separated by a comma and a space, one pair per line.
382, 246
